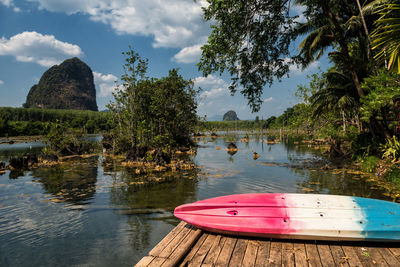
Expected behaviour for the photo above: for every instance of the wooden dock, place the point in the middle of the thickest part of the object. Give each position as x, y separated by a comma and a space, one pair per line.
186, 245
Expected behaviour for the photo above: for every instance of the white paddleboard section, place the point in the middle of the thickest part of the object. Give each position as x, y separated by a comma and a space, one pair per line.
328, 216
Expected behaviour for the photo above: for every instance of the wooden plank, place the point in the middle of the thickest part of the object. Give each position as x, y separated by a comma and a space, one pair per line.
376, 256
338, 255
167, 239
238, 252
174, 242
275, 253
350, 256
300, 255
156, 262
389, 257
179, 253
325, 254
364, 256
215, 250
145, 261
263, 253
203, 250
226, 252
396, 252
287, 254
250, 255
194, 250
312, 255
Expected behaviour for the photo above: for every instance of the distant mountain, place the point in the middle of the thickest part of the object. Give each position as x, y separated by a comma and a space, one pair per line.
230, 116
215, 118
66, 86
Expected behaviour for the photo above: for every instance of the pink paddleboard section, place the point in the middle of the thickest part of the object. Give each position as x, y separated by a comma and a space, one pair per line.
248, 214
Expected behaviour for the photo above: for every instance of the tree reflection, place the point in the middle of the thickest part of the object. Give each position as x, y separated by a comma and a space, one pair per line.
73, 181
150, 198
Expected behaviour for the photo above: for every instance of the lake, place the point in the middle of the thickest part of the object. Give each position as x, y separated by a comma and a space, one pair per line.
94, 212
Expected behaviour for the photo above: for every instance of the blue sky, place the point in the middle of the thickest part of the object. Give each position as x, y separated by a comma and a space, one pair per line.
36, 34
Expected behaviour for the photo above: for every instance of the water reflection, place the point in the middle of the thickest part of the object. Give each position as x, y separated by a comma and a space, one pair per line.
77, 212
73, 182
148, 202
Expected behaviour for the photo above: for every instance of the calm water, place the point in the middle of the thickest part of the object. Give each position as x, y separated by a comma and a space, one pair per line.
93, 212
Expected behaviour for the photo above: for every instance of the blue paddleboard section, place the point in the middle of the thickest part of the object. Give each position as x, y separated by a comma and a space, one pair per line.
381, 219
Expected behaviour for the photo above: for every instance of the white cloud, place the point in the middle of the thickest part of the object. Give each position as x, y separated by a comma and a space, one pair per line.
189, 54
298, 10
1, 82
105, 83
213, 86
269, 99
294, 70
44, 50
7, 3
172, 23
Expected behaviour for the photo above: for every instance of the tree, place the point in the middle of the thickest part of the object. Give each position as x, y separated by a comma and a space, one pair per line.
382, 101
152, 112
336, 25
386, 36
250, 40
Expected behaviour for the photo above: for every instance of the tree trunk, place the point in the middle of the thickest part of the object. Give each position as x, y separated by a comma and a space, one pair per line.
344, 122
369, 47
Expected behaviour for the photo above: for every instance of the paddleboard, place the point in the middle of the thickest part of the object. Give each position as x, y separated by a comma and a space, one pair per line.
296, 216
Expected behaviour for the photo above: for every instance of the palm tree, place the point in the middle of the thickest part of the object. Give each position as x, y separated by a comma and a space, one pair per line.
386, 36
329, 24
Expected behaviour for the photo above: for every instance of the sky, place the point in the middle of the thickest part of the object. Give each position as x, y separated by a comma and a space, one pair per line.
37, 34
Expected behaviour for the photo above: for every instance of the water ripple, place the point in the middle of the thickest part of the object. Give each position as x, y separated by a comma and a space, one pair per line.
33, 223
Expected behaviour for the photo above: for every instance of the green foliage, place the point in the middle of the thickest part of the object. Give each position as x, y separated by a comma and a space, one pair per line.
304, 92
153, 112
250, 40
391, 149
63, 141
393, 174
379, 104
386, 36
245, 125
364, 145
35, 121
269, 122
369, 163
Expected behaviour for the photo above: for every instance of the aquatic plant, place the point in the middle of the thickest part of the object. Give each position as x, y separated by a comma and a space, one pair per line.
391, 149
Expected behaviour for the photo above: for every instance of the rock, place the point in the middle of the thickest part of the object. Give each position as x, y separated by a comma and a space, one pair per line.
23, 162
230, 116
183, 149
2, 166
137, 153
107, 143
232, 152
161, 158
48, 157
69, 85
255, 155
232, 146
232, 149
